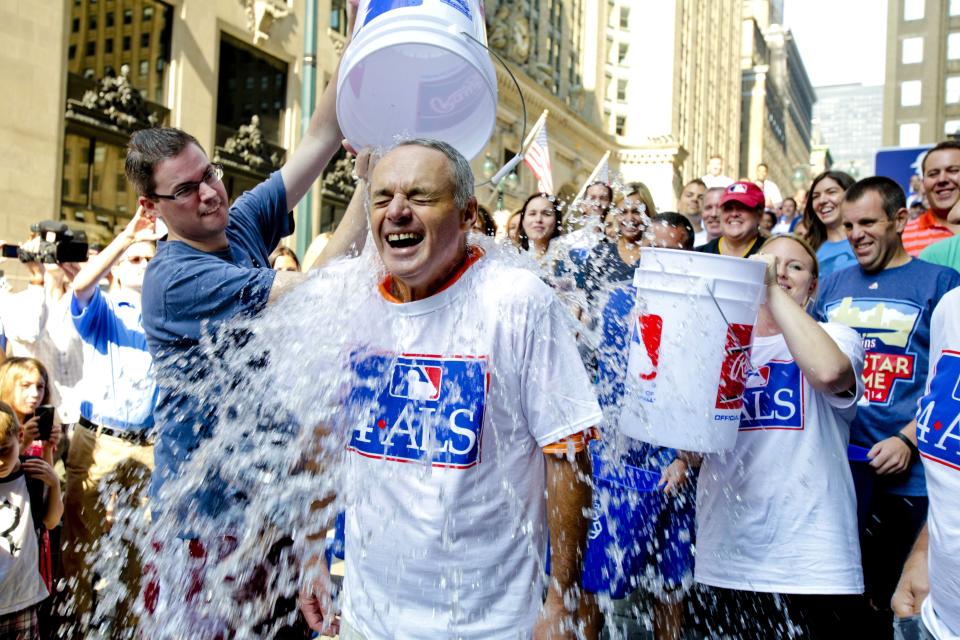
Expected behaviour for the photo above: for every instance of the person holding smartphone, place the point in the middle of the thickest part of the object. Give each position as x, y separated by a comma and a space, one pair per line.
25, 386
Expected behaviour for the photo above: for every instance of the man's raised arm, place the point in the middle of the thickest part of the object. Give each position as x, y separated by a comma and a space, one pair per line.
320, 141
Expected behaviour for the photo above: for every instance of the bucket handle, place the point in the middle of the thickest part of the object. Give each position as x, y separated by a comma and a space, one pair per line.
730, 331
508, 167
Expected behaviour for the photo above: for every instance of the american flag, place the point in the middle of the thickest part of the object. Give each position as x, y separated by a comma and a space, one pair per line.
537, 157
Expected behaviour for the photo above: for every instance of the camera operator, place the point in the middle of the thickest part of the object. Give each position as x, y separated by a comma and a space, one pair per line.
37, 320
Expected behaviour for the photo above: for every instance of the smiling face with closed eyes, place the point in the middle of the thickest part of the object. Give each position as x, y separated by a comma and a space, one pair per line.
418, 230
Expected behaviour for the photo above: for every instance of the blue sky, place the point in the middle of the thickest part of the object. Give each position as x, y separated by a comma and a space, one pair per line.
841, 41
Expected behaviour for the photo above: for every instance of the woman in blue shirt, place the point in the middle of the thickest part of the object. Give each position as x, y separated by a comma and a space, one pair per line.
821, 217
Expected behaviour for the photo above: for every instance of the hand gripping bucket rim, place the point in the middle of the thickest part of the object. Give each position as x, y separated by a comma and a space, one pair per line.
691, 332
464, 121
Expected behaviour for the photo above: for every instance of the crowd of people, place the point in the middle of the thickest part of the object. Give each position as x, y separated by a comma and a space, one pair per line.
499, 367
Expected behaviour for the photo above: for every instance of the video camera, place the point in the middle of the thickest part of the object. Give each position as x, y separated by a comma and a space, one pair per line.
58, 243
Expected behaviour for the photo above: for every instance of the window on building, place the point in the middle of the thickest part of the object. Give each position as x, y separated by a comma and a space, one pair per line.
955, 7
108, 45
621, 90
909, 134
128, 16
126, 43
951, 127
953, 46
72, 52
109, 19
621, 125
912, 10
92, 23
148, 13
622, 53
911, 51
144, 40
624, 17
910, 91
953, 89
338, 16
144, 67
91, 48
76, 25
262, 96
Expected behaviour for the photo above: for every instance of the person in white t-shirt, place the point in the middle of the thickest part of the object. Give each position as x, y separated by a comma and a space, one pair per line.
714, 177
933, 566
459, 462
777, 527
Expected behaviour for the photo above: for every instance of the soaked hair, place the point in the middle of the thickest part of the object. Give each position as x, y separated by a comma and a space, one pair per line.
15, 368
891, 194
940, 146
147, 149
676, 221
284, 251
807, 247
557, 214
460, 172
816, 230
9, 424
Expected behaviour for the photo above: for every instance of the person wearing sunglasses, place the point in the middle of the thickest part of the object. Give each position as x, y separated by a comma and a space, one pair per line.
111, 450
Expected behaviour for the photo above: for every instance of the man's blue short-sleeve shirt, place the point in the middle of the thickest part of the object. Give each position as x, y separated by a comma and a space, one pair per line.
891, 311
186, 294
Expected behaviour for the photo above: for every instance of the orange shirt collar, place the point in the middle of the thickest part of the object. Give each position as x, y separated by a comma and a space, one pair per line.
929, 221
474, 253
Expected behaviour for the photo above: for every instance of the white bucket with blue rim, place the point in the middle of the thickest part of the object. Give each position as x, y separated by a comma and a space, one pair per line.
411, 71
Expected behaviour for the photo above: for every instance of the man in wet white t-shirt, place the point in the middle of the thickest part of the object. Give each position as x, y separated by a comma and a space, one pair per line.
466, 427
933, 566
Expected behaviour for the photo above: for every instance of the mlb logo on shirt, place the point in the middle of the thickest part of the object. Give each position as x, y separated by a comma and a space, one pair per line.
425, 409
773, 398
758, 378
938, 423
416, 382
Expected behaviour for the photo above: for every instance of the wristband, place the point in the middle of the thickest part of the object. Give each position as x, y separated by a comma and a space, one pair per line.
914, 452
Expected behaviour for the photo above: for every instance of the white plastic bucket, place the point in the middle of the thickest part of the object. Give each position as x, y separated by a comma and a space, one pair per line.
689, 350
411, 72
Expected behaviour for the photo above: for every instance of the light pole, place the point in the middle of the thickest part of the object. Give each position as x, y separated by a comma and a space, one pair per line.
511, 182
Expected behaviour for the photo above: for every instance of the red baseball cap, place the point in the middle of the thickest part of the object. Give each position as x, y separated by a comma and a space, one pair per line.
746, 193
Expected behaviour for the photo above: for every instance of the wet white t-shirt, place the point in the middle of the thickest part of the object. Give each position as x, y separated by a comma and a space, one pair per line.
454, 396
938, 438
778, 512
21, 585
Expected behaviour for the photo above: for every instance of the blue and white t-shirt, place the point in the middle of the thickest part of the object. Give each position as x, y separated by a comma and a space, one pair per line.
938, 438
118, 388
891, 312
186, 294
835, 255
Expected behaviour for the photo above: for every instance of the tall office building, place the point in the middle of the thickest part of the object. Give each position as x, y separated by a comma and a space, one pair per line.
922, 89
777, 100
850, 121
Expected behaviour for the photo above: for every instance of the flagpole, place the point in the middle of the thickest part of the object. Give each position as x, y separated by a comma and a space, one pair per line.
593, 175
535, 130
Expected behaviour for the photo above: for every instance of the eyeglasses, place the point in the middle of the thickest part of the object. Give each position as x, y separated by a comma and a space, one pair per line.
189, 189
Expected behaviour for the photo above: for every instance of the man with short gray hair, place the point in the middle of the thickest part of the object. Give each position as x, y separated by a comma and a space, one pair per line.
459, 462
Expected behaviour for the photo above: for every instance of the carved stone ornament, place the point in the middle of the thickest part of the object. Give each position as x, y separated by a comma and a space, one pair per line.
261, 14
117, 101
340, 180
509, 32
248, 145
